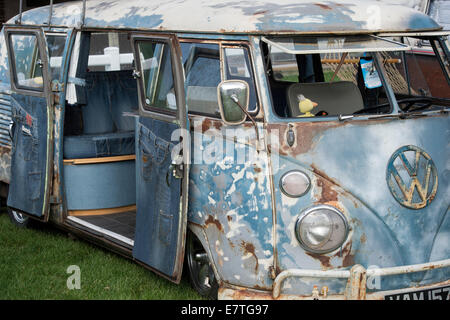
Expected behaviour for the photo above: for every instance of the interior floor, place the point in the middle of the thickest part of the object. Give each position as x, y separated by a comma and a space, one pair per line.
123, 223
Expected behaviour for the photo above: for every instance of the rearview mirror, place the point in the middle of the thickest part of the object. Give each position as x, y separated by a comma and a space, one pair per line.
233, 96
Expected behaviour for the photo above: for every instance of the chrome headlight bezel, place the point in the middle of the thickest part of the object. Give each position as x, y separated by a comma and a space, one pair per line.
301, 175
338, 215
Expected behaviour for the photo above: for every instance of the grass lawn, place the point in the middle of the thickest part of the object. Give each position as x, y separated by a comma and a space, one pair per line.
33, 265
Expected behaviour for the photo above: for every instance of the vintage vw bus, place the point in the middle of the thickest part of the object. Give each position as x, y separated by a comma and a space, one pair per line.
285, 149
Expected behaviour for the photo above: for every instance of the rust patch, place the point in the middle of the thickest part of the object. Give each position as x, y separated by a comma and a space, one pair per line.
348, 259
248, 294
284, 151
249, 248
323, 175
363, 238
327, 194
206, 125
277, 270
346, 253
4, 149
323, 6
305, 135
308, 133
324, 260
217, 125
212, 220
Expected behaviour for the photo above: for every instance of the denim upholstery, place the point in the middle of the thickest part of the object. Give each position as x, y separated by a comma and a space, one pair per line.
100, 185
99, 145
106, 131
29, 154
157, 196
108, 126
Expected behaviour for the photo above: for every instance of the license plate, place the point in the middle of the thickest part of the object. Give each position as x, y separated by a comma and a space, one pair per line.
429, 294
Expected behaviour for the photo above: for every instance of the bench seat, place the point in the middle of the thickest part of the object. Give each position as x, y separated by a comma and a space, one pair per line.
99, 145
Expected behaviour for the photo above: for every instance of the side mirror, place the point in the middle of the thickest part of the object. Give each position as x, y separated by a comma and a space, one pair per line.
233, 96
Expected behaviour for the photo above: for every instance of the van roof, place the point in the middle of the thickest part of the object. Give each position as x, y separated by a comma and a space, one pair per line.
238, 16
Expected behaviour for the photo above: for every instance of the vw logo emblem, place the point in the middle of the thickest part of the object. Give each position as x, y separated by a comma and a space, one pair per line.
412, 177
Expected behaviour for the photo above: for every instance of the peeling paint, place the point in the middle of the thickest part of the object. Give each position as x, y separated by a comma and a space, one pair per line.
215, 222
346, 163
232, 16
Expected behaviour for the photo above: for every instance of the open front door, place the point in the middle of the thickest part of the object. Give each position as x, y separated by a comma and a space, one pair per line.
161, 172
32, 117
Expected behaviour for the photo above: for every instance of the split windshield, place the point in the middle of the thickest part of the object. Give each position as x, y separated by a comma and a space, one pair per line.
318, 76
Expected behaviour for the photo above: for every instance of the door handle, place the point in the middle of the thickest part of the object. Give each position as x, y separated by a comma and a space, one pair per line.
177, 172
176, 169
136, 74
177, 166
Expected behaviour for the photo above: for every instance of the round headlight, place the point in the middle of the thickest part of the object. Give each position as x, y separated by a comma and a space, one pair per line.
294, 184
321, 229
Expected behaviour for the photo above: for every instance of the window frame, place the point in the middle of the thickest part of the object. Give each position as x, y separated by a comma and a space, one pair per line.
196, 41
394, 108
43, 53
222, 45
55, 34
251, 70
136, 39
435, 44
119, 32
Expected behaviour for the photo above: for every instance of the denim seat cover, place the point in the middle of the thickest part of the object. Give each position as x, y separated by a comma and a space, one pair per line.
107, 130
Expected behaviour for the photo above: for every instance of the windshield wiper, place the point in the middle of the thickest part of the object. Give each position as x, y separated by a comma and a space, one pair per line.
427, 101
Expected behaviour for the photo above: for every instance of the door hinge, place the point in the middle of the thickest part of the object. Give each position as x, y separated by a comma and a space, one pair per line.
56, 89
55, 99
56, 86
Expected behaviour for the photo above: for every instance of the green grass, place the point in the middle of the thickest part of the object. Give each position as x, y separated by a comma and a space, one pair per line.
34, 261
328, 75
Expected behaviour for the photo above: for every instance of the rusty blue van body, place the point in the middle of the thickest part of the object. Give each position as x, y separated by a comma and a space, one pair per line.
351, 203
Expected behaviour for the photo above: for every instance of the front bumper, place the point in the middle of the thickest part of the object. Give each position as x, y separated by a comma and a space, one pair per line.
356, 283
